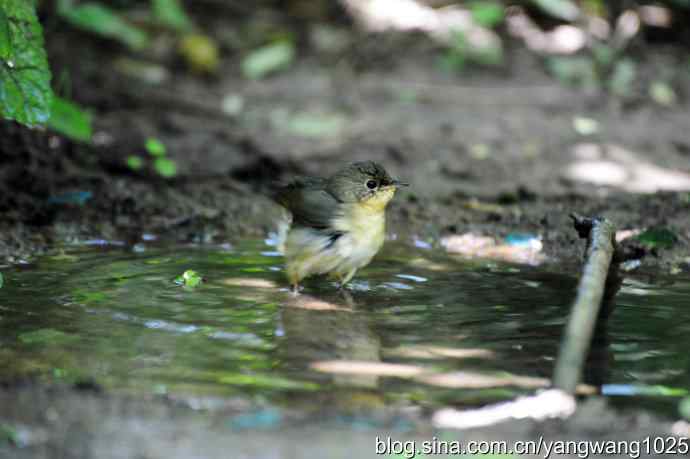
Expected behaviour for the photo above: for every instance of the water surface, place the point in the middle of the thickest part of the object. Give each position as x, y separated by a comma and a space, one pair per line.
116, 318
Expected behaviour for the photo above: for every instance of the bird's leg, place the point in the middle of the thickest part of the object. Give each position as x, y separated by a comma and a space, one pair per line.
346, 278
294, 278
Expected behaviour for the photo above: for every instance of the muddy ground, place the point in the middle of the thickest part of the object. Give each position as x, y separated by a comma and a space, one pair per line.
81, 424
490, 152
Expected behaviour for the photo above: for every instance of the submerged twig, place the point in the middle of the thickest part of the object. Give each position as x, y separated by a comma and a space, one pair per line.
600, 234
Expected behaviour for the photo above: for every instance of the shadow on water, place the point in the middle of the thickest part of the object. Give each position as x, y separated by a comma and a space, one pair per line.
416, 327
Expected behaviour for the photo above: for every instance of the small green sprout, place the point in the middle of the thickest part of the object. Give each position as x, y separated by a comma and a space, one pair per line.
189, 278
155, 147
135, 162
165, 167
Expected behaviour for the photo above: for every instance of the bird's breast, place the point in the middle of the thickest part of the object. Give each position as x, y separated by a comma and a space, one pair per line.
365, 228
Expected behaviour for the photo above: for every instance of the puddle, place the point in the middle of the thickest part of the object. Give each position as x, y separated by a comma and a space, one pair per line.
415, 327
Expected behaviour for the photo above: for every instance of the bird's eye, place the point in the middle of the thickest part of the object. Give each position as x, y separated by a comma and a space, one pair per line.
371, 184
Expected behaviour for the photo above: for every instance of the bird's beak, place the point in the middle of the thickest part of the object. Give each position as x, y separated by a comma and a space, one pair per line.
399, 183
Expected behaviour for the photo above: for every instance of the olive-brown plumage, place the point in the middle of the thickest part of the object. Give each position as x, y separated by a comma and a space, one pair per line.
338, 223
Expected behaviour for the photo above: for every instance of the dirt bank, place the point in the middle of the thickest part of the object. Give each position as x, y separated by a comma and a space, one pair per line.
487, 153
75, 424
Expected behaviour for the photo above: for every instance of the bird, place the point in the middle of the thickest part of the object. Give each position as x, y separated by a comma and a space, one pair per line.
337, 224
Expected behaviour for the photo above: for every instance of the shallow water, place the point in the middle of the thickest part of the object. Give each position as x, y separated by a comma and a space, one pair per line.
459, 331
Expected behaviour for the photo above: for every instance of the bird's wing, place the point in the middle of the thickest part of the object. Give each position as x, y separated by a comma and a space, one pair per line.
308, 201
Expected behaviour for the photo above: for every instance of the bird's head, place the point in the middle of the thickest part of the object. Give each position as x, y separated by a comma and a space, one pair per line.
364, 182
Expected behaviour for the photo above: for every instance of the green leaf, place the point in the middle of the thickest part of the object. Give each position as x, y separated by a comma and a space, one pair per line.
268, 59
662, 93
266, 382
155, 147
135, 162
491, 54
165, 167
200, 52
69, 119
189, 278
576, 71
487, 14
171, 14
561, 9
603, 54
5, 44
25, 94
103, 21
623, 78
684, 408
2, 280
658, 238
316, 125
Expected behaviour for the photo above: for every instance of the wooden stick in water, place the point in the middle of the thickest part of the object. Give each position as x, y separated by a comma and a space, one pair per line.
600, 234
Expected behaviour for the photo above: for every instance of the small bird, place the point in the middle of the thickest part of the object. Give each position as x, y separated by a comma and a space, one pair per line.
338, 223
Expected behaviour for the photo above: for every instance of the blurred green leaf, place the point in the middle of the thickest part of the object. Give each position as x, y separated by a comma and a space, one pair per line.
585, 126
577, 71
487, 14
103, 21
662, 93
2, 280
268, 59
171, 14
8, 434
561, 9
69, 119
491, 54
189, 278
596, 8
47, 336
155, 147
684, 408
5, 44
266, 382
200, 51
488, 51
135, 162
658, 238
450, 62
165, 167
603, 54
623, 78
316, 124
25, 93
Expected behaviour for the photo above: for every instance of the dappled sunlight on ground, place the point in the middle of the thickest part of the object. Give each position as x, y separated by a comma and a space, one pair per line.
549, 404
438, 352
475, 246
309, 302
249, 282
355, 367
614, 166
441, 24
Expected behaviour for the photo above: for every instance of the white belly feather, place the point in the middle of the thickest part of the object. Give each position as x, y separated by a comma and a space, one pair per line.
309, 251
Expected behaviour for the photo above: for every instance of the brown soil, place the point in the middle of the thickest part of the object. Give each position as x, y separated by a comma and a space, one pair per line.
504, 138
